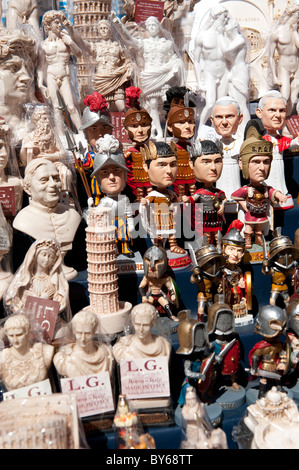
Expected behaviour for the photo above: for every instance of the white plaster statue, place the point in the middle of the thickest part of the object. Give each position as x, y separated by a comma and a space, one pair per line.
22, 11
163, 68
199, 431
113, 68
17, 62
142, 343
6, 237
45, 216
218, 53
25, 362
85, 356
54, 71
283, 53
226, 118
9, 172
40, 275
43, 142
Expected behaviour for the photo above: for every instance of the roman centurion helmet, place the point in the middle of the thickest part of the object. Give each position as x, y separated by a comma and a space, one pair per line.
281, 251
192, 335
253, 145
108, 154
270, 321
221, 318
135, 114
155, 256
179, 105
96, 110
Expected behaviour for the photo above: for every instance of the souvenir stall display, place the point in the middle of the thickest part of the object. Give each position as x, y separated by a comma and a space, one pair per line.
158, 308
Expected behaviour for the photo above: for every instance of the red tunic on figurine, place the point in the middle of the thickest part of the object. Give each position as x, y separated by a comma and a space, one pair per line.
210, 221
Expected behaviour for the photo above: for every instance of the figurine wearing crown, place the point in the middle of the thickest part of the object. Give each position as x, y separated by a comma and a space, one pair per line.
138, 124
180, 121
256, 197
281, 265
206, 161
157, 208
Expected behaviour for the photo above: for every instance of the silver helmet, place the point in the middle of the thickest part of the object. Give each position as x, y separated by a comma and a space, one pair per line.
155, 257
281, 251
271, 321
108, 153
96, 110
221, 318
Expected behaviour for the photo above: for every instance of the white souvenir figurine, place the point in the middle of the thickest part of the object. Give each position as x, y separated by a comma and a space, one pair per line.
218, 61
54, 71
9, 172
40, 275
25, 362
45, 216
22, 12
163, 68
272, 110
17, 59
142, 343
111, 173
43, 142
283, 53
85, 356
113, 68
226, 118
6, 237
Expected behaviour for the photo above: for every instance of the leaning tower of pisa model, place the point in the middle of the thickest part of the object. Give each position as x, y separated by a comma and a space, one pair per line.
102, 272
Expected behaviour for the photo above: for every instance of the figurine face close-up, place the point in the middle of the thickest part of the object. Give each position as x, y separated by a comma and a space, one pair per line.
84, 334
17, 337
234, 254
207, 168
142, 324
226, 119
56, 26
258, 168
3, 154
112, 179
183, 130
152, 27
96, 131
45, 258
153, 268
104, 30
45, 186
15, 80
273, 115
162, 172
139, 132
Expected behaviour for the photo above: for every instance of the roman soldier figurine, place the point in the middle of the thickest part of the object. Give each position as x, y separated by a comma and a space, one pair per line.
180, 123
138, 124
256, 197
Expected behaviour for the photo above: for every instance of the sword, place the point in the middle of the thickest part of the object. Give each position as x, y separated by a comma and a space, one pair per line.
266, 374
206, 367
265, 256
226, 348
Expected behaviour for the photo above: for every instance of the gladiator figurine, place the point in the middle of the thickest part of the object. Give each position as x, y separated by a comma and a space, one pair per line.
267, 358
281, 265
156, 286
198, 358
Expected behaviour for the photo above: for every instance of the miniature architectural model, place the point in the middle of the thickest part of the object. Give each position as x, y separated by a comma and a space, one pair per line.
274, 421
102, 271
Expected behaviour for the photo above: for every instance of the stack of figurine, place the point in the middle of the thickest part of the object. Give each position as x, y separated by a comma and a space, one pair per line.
198, 190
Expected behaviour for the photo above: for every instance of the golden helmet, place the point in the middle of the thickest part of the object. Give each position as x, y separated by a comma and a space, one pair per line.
253, 145
192, 335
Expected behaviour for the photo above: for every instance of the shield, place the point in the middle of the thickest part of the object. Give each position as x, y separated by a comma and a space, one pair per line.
248, 290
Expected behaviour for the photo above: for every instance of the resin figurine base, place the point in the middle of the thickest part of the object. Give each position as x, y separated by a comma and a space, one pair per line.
230, 398
283, 206
127, 265
214, 412
115, 322
244, 321
178, 261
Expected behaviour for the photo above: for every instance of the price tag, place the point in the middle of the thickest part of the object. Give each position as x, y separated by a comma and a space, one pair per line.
146, 8
45, 312
34, 390
8, 200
